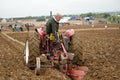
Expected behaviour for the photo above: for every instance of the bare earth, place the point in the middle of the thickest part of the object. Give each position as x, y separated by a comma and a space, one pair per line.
101, 49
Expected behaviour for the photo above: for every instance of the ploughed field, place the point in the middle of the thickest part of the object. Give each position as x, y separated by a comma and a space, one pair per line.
100, 48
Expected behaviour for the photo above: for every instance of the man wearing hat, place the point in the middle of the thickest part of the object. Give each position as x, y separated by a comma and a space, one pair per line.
52, 25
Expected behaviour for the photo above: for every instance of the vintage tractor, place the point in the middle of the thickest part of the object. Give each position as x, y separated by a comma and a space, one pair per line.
43, 51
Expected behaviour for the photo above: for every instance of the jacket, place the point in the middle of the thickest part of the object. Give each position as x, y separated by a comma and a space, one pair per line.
52, 26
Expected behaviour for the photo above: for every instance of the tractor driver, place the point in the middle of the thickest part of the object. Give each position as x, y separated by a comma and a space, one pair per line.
52, 25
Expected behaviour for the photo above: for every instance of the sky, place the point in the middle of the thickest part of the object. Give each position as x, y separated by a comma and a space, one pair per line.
23, 8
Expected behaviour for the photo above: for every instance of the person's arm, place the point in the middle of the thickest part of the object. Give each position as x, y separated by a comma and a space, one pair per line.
54, 29
48, 27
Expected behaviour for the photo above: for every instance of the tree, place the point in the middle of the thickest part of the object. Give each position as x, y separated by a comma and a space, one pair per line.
114, 19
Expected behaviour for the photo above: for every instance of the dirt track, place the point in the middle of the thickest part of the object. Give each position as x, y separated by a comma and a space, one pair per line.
12, 65
101, 50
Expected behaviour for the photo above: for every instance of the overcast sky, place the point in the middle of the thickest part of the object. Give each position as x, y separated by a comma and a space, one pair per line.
22, 8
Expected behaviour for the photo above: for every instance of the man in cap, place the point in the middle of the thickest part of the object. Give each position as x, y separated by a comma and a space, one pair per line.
52, 25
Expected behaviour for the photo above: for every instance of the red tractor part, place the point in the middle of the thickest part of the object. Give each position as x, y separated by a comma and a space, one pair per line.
69, 32
78, 72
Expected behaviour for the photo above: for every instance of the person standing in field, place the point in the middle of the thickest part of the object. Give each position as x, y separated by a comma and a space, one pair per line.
13, 28
52, 25
27, 26
1, 28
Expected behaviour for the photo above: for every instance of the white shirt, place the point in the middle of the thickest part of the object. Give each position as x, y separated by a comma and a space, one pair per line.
55, 19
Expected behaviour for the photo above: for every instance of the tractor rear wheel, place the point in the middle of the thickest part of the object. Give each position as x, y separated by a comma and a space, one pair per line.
34, 49
76, 48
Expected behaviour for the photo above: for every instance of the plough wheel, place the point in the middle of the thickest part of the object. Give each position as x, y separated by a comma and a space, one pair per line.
38, 66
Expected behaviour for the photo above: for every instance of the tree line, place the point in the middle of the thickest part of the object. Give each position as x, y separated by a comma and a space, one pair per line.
110, 17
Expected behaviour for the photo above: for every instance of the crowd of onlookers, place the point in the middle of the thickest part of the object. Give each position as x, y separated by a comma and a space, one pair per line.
19, 28
16, 27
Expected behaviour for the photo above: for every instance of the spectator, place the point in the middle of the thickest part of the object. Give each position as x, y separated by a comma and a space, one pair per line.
13, 28
21, 29
27, 26
1, 28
